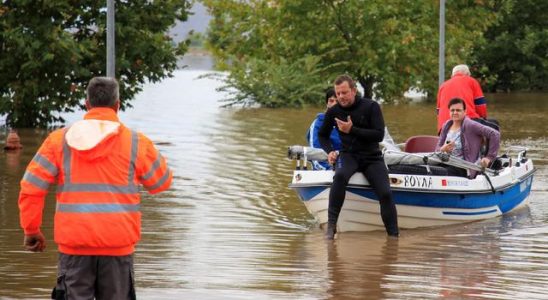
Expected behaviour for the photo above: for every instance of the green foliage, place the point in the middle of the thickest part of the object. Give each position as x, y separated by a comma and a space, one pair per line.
196, 39
49, 50
388, 46
274, 85
515, 55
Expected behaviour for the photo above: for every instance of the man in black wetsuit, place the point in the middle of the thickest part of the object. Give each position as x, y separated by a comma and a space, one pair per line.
361, 128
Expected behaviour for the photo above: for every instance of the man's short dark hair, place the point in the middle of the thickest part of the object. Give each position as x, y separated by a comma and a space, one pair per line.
347, 78
456, 101
329, 93
102, 92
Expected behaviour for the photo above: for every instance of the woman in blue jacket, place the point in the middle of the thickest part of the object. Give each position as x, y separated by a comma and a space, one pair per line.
312, 134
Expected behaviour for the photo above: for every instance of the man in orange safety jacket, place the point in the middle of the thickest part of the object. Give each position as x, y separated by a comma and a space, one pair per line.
98, 165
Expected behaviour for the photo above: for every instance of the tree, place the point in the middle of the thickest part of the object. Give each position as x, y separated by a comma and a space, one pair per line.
49, 50
514, 55
388, 46
278, 85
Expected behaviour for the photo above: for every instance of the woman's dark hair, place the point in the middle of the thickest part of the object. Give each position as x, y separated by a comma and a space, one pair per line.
457, 101
329, 93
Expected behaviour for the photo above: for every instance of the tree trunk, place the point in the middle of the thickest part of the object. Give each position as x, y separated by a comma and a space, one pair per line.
23, 114
367, 84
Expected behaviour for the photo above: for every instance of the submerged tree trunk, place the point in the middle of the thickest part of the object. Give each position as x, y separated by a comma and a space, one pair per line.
23, 115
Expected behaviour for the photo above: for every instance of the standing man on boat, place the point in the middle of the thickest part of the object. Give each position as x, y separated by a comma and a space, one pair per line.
361, 127
98, 164
312, 134
462, 85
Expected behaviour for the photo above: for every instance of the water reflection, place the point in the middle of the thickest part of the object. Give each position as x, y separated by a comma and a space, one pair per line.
231, 229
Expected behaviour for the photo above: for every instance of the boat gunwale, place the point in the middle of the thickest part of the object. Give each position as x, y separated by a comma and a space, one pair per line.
419, 190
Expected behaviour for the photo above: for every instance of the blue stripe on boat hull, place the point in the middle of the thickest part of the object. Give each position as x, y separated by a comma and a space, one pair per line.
464, 213
308, 193
506, 200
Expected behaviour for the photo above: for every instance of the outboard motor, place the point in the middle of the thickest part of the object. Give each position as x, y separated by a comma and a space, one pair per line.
297, 152
305, 154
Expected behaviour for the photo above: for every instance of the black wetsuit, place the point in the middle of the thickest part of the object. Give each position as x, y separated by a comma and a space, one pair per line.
360, 152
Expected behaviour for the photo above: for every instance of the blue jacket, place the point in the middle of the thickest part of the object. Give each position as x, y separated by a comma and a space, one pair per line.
312, 138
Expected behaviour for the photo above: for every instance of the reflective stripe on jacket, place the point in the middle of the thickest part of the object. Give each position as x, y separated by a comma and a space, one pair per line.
98, 202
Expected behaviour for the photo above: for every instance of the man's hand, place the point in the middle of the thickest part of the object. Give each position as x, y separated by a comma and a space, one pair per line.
485, 162
344, 126
34, 242
332, 157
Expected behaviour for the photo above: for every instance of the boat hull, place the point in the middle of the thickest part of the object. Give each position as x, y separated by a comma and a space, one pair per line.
421, 201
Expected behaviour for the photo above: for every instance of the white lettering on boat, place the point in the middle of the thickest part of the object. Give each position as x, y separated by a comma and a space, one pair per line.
457, 183
417, 181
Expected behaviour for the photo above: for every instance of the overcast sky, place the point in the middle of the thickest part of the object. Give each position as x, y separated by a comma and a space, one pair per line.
197, 21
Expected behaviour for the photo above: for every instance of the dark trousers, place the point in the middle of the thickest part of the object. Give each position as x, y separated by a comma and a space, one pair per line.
94, 277
376, 173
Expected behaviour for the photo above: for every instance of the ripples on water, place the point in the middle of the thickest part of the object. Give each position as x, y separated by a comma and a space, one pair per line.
231, 229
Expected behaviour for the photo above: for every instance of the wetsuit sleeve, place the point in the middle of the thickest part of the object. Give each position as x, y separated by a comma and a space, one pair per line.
324, 132
153, 171
376, 131
336, 139
40, 173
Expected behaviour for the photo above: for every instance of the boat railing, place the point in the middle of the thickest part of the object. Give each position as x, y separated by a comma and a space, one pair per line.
521, 150
435, 158
303, 155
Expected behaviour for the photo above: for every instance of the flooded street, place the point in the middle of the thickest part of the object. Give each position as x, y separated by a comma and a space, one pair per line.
230, 228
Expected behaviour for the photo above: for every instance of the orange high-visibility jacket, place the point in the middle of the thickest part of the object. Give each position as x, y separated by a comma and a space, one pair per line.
468, 89
98, 165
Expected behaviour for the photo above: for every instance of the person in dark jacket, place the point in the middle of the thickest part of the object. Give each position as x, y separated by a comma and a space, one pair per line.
360, 125
312, 133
